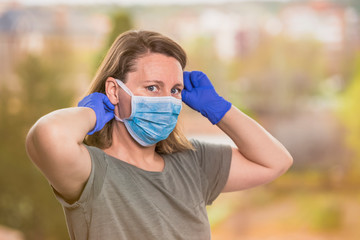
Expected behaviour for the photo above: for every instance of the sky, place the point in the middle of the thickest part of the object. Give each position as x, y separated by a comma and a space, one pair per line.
128, 2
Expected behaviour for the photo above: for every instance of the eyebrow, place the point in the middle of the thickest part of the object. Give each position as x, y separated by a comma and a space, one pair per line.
162, 83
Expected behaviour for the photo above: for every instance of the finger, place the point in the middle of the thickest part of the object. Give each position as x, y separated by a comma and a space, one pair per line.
195, 77
107, 104
184, 95
109, 116
199, 79
83, 101
187, 82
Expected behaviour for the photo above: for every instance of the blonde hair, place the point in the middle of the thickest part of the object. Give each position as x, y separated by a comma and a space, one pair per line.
118, 62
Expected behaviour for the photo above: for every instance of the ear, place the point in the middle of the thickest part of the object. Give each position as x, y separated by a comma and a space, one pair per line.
111, 89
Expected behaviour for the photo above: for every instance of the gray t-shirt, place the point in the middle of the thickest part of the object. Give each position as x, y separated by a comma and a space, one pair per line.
121, 201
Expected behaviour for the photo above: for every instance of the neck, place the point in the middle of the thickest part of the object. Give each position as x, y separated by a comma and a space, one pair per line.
126, 149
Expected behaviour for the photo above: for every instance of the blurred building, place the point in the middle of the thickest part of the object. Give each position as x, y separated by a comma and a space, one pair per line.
334, 25
27, 30
237, 28
235, 31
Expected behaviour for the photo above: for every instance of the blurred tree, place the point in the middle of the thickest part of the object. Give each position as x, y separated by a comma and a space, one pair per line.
202, 56
278, 70
26, 202
350, 117
121, 21
46, 83
351, 3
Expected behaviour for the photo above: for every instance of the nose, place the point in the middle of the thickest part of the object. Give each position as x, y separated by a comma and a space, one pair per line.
166, 92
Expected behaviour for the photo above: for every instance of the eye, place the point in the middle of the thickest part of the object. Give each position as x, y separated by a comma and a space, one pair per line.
152, 88
175, 91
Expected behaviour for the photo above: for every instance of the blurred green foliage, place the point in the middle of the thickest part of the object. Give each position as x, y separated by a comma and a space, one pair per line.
46, 82
26, 202
353, 3
284, 210
349, 114
277, 76
320, 211
202, 56
280, 70
121, 21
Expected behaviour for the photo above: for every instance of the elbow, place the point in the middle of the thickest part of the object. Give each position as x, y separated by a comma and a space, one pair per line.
31, 146
39, 138
285, 163
34, 139
29, 142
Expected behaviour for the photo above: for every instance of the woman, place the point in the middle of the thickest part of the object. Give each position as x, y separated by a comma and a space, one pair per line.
136, 176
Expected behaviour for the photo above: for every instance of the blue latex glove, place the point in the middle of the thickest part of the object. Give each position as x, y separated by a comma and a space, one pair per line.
200, 95
102, 106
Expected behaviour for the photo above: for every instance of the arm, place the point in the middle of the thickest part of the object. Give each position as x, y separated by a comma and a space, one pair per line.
258, 158
54, 144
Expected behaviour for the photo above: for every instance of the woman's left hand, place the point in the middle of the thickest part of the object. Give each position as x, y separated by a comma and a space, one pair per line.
200, 95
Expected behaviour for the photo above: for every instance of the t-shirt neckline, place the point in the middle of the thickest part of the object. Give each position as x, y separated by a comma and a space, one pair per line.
140, 170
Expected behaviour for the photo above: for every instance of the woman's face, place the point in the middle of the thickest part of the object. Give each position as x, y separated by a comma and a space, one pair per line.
156, 75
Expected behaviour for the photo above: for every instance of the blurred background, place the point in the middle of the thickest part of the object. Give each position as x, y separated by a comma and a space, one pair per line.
294, 66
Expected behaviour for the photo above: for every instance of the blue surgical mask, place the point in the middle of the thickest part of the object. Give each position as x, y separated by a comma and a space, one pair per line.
152, 119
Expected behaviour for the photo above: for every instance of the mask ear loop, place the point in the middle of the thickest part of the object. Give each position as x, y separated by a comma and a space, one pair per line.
124, 87
127, 90
118, 119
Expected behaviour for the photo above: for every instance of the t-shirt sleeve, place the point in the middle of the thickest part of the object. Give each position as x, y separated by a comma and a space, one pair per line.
214, 161
94, 182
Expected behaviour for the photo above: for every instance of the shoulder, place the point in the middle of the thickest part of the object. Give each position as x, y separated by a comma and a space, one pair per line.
95, 151
204, 151
94, 183
207, 150
207, 162
98, 159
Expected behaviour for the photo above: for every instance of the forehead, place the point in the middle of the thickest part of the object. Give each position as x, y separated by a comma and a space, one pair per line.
156, 66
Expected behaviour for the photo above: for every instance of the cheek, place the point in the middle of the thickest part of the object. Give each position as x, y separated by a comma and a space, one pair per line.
178, 96
123, 108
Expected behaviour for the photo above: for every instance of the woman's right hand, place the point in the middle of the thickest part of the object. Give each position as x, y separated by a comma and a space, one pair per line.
103, 108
